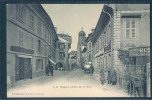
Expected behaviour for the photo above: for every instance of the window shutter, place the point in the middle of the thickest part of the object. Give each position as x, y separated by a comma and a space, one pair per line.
41, 47
37, 44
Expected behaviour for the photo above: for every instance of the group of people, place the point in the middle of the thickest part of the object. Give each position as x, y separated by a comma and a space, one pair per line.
112, 79
49, 69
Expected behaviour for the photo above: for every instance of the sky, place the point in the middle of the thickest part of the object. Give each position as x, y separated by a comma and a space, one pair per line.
70, 18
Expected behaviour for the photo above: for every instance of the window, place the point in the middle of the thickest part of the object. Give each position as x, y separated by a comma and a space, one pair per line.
101, 41
96, 47
31, 21
69, 45
20, 12
48, 37
50, 40
45, 34
20, 38
39, 46
98, 44
39, 64
32, 41
61, 46
105, 39
50, 52
61, 55
39, 27
43, 31
90, 45
53, 54
45, 52
130, 28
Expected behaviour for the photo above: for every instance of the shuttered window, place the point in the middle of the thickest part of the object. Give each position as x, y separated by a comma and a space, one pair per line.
130, 28
32, 43
31, 21
39, 27
61, 55
20, 38
20, 12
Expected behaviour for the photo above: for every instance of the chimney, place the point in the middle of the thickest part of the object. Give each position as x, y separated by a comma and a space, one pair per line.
55, 29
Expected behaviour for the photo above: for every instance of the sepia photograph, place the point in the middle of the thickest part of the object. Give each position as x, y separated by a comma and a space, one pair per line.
78, 50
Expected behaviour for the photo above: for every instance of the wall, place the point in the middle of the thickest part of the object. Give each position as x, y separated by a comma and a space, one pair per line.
13, 27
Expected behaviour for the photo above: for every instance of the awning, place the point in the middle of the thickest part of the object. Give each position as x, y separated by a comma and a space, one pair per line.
24, 56
52, 61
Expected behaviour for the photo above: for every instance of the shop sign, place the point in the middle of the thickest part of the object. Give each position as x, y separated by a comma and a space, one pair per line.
143, 51
21, 50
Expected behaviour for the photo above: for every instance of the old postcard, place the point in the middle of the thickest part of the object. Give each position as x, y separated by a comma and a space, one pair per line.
78, 50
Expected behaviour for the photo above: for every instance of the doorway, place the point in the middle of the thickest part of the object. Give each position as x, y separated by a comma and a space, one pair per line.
22, 68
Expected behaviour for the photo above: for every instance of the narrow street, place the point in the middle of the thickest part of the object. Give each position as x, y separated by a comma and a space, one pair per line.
74, 83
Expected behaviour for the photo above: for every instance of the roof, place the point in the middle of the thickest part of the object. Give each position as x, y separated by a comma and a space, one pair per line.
45, 17
63, 35
81, 32
62, 40
104, 19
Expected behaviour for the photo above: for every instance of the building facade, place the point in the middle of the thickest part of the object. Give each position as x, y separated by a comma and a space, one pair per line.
131, 33
101, 42
73, 59
89, 51
121, 30
66, 37
62, 57
31, 41
80, 46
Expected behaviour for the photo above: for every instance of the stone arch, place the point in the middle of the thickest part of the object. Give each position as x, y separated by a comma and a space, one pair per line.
59, 65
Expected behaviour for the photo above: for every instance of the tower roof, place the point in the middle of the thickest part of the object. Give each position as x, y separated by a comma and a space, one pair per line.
82, 32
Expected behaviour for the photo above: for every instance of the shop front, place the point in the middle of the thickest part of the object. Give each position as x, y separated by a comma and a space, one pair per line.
139, 57
23, 68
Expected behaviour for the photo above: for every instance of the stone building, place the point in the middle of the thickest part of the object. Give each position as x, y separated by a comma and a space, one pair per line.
66, 37
101, 41
73, 59
121, 30
80, 45
89, 51
31, 41
62, 47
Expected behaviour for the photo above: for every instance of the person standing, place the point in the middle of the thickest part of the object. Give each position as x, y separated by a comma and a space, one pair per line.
30, 73
91, 69
47, 70
51, 70
114, 78
102, 77
109, 77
